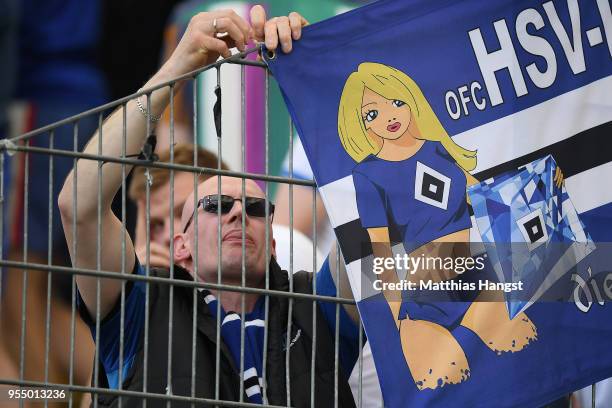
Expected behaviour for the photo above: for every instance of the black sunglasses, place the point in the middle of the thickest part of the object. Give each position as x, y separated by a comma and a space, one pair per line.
253, 206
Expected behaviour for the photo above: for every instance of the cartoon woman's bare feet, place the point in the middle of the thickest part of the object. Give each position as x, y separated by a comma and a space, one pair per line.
491, 322
433, 355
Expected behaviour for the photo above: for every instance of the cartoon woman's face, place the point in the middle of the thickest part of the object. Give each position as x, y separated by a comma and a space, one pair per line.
387, 118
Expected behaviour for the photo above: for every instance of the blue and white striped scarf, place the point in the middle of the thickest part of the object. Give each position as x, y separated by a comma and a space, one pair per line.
253, 342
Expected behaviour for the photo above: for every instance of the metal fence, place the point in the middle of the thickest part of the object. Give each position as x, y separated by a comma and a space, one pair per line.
21, 145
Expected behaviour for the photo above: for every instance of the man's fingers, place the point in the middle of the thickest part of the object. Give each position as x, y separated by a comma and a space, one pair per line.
216, 45
229, 41
241, 23
141, 254
159, 261
284, 33
258, 21
229, 26
271, 34
283, 30
155, 249
296, 21
159, 255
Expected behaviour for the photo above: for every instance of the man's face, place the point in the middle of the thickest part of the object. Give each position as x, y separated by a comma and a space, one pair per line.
231, 235
160, 208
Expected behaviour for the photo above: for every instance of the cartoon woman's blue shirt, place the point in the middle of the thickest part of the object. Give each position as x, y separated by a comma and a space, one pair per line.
420, 199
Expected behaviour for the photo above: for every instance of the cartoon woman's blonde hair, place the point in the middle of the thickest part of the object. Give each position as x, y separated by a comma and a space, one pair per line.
391, 84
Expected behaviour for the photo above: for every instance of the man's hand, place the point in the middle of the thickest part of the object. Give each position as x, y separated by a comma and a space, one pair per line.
285, 29
208, 36
212, 34
159, 255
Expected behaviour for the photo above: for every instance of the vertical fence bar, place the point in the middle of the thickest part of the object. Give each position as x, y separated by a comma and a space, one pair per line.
148, 259
22, 351
337, 333
219, 255
267, 243
593, 395
290, 313
194, 328
243, 237
314, 303
49, 262
73, 292
290, 300
98, 262
171, 294
123, 249
242, 298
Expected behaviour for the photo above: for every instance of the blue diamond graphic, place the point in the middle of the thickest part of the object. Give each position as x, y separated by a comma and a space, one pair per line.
530, 229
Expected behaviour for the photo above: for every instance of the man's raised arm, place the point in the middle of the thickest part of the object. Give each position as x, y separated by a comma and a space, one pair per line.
198, 47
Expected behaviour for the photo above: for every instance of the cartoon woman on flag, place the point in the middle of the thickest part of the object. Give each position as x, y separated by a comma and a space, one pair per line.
411, 177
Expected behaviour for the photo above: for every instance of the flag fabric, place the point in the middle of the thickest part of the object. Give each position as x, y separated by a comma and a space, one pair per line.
487, 121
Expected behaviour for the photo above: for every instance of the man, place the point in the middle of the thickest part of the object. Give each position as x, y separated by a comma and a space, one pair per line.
161, 215
158, 353
159, 202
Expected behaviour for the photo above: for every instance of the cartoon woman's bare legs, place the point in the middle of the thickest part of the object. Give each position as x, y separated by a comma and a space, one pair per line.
488, 318
433, 355
490, 321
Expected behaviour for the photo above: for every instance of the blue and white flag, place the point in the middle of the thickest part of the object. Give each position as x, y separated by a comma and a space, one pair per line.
436, 122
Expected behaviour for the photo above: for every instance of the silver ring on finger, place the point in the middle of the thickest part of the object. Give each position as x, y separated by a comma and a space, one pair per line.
214, 24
